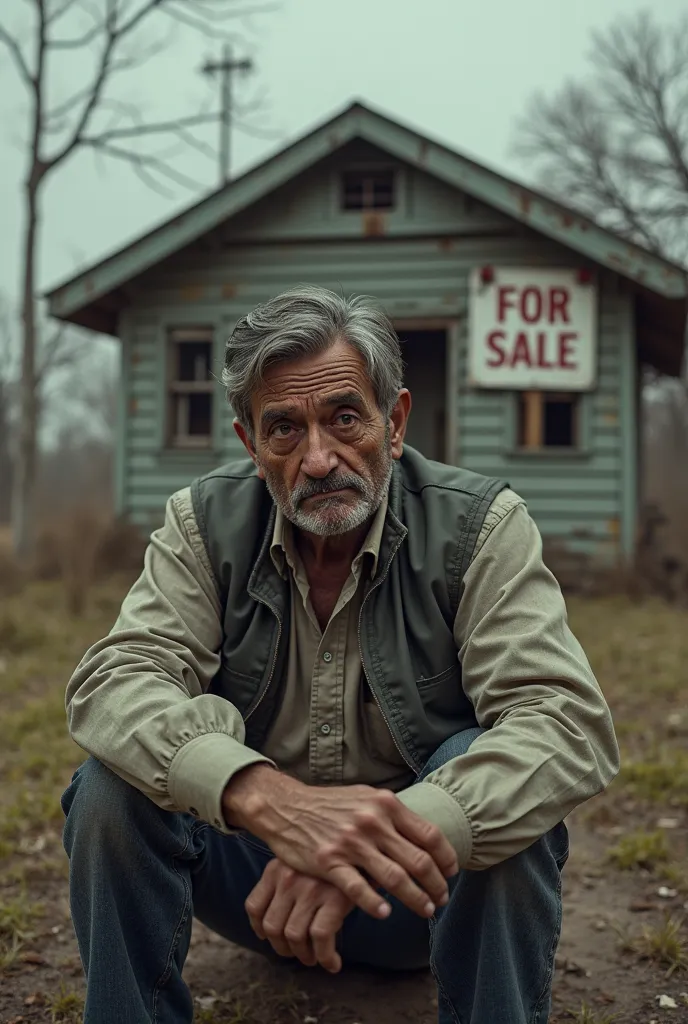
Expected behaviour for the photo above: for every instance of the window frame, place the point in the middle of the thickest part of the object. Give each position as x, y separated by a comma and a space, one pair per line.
582, 413
369, 173
172, 440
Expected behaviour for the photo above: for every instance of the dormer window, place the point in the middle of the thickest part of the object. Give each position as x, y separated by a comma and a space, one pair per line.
368, 190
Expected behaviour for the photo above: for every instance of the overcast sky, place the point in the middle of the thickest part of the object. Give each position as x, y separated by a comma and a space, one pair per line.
460, 70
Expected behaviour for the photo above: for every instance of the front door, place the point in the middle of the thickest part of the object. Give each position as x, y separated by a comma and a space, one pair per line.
425, 375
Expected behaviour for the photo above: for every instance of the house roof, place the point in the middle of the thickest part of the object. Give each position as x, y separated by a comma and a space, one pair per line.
91, 298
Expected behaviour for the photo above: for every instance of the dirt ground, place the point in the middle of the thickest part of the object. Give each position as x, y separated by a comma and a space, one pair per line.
623, 956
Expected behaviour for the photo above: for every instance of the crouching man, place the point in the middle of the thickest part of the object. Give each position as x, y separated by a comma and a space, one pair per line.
341, 715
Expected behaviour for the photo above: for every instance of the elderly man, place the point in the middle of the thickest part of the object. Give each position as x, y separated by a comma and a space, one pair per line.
341, 715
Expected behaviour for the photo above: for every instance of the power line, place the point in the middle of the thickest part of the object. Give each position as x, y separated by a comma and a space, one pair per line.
226, 68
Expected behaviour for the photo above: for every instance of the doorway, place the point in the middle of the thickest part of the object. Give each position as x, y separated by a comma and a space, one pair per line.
425, 375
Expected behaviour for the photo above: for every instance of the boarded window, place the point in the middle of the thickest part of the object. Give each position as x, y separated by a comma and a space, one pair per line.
548, 420
191, 388
368, 190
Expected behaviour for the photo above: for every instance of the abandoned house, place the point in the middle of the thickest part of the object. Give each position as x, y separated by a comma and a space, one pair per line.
524, 325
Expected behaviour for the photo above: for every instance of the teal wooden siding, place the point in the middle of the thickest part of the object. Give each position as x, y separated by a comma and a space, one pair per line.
418, 268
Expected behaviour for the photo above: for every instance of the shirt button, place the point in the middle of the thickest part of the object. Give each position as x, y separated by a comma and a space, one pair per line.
325, 729
327, 657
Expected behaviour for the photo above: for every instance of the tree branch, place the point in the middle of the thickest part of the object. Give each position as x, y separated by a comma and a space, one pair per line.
145, 161
18, 57
192, 121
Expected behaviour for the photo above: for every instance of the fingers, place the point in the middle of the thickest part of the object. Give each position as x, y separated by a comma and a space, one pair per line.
258, 901
429, 837
419, 865
297, 932
390, 874
323, 933
275, 921
351, 882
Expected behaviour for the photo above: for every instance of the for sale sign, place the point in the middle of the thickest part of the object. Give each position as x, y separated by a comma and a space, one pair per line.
532, 329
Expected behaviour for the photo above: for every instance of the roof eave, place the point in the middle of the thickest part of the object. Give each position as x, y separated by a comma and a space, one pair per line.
524, 205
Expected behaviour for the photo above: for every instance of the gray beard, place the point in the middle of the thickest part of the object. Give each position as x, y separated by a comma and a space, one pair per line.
335, 515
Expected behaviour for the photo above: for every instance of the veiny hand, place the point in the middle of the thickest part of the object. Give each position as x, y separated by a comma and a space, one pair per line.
338, 833
299, 916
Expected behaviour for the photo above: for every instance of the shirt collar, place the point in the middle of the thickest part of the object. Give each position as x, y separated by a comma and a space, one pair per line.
283, 550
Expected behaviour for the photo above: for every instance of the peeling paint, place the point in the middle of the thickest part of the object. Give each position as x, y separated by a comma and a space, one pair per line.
568, 220
192, 293
133, 406
446, 244
229, 291
614, 526
373, 225
524, 203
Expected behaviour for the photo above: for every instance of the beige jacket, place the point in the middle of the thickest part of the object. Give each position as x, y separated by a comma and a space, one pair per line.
139, 702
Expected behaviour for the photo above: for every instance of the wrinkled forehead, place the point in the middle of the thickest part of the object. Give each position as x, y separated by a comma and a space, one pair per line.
337, 375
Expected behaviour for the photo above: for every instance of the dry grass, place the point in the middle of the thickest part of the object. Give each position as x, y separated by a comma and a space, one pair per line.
586, 1015
639, 653
666, 945
80, 549
640, 850
66, 1007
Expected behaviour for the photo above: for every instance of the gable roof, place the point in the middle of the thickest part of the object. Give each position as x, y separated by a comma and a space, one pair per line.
90, 298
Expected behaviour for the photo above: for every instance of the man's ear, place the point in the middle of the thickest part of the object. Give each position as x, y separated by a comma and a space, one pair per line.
398, 420
248, 445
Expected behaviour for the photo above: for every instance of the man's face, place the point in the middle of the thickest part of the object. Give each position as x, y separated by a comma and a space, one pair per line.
321, 443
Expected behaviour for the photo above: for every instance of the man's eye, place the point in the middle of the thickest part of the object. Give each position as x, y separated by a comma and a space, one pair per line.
346, 419
282, 430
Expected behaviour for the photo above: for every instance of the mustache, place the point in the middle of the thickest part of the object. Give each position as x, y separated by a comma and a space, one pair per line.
328, 484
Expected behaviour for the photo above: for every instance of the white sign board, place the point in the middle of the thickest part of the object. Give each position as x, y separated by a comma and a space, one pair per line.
532, 329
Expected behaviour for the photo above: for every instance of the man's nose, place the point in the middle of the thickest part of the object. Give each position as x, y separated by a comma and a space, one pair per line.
319, 458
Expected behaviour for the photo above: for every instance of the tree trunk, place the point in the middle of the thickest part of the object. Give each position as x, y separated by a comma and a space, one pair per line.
24, 477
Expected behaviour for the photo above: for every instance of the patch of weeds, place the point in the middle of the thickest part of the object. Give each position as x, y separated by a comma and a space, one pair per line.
664, 945
66, 1007
18, 632
16, 919
6, 849
661, 779
257, 1005
633, 647
640, 850
586, 1015
675, 876
32, 810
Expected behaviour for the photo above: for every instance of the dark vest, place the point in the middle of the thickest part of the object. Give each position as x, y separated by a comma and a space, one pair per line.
405, 630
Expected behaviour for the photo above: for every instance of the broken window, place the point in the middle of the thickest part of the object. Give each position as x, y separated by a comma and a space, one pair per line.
548, 420
191, 388
368, 190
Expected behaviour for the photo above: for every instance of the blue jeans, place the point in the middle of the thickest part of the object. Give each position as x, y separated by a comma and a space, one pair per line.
138, 876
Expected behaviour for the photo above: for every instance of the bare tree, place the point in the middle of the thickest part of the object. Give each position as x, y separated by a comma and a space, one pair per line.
616, 143
113, 34
65, 358
5, 411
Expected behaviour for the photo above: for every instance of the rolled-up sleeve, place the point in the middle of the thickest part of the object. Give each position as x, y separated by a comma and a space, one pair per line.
138, 700
550, 743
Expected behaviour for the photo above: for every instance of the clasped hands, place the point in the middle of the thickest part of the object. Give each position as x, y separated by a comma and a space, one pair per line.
333, 846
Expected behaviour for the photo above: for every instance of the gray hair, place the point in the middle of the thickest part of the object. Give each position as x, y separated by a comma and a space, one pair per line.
302, 322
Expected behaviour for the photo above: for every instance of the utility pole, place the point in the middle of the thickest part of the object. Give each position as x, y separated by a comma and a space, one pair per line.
226, 68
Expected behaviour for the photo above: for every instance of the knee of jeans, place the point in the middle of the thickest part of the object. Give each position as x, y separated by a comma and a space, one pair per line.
539, 865
453, 747
98, 802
